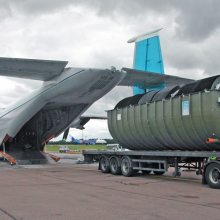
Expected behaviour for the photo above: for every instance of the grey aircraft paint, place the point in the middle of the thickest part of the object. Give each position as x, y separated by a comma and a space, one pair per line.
65, 95
75, 88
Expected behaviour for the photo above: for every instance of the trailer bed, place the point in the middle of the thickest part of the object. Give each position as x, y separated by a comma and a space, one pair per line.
156, 153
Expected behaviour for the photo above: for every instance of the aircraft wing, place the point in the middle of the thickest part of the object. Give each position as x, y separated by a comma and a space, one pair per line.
79, 124
146, 79
84, 119
43, 70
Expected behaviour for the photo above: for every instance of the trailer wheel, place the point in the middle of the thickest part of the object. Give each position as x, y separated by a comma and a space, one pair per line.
126, 169
146, 171
104, 165
114, 167
158, 172
212, 175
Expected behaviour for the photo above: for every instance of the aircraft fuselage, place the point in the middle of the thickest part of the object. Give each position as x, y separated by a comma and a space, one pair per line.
48, 111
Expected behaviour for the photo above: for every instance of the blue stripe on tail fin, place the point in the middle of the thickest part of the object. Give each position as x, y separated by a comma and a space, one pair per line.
148, 57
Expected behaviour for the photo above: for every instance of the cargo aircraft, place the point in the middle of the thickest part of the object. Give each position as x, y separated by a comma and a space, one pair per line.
66, 93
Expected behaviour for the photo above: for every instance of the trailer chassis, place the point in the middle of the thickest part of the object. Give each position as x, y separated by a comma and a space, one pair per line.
128, 162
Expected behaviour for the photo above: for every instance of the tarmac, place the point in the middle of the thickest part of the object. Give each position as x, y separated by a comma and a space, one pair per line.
69, 190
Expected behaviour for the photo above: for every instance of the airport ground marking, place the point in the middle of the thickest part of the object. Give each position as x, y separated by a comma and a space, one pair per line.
173, 178
6, 213
164, 177
76, 168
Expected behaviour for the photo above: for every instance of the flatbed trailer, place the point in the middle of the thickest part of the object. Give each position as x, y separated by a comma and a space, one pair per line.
129, 162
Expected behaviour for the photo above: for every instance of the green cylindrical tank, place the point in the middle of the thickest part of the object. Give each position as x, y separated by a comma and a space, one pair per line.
179, 123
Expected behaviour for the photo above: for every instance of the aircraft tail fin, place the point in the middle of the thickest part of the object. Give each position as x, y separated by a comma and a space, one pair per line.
65, 134
147, 56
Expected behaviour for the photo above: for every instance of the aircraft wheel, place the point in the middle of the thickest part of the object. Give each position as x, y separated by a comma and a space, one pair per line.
126, 169
158, 172
104, 165
212, 175
114, 167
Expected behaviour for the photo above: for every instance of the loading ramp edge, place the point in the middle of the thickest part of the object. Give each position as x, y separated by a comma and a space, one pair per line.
8, 157
47, 158
156, 153
55, 158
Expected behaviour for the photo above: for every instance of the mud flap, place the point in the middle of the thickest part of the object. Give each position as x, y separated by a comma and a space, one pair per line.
88, 158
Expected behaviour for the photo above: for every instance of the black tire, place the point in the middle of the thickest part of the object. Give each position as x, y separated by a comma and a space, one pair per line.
179, 174
114, 167
146, 171
212, 175
158, 172
126, 169
104, 165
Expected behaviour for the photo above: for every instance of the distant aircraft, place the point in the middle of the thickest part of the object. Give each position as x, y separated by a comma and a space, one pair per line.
59, 104
79, 124
87, 142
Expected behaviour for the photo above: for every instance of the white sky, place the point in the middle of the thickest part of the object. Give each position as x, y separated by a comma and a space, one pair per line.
95, 33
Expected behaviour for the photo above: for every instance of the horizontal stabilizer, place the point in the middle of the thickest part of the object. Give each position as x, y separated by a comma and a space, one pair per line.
144, 36
92, 117
43, 70
145, 79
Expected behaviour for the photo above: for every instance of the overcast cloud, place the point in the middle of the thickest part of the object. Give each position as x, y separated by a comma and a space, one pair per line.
93, 33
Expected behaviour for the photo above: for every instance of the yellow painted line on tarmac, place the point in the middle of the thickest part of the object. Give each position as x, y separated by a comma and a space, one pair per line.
173, 178
164, 177
76, 168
